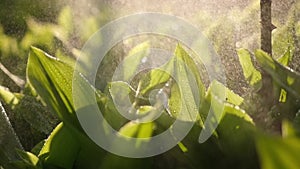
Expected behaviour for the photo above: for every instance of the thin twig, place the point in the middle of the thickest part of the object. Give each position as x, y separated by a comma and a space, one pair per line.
20, 82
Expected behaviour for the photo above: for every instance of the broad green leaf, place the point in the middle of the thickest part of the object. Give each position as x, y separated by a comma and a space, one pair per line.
122, 94
191, 65
175, 102
236, 136
144, 110
278, 153
61, 148
252, 75
52, 79
111, 113
221, 102
234, 130
186, 84
230, 109
219, 90
134, 59
122, 101
187, 88
285, 77
137, 130
156, 77
145, 130
129, 130
191, 89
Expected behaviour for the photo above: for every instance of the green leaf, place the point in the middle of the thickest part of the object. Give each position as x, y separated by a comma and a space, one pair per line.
236, 136
156, 77
130, 129
134, 58
252, 75
122, 99
221, 102
122, 94
186, 84
286, 58
218, 89
238, 112
137, 130
67, 146
191, 65
61, 148
52, 79
278, 153
191, 88
28, 158
285, 77
175, 101
145, 130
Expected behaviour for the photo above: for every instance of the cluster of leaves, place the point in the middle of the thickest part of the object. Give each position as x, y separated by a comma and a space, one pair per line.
30, 118
236, 142
233, 143
286, 111
69, 147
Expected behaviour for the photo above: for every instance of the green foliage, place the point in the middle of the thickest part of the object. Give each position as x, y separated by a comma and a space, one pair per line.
61, 148
133, 59
283, 76
235, 142
51, 79
234, 138
29, 160
252, 75
285, 81
286, 58
278, 153
217, 89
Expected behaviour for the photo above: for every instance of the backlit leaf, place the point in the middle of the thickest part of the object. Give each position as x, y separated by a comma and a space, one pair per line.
252, 75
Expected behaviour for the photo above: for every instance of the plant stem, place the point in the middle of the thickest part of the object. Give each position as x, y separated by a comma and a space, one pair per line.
266, 25
20, 82
267, 92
